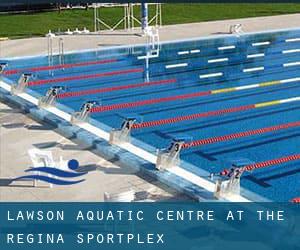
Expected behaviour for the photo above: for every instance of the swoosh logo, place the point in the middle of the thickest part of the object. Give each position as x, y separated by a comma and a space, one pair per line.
55, 171
48, 179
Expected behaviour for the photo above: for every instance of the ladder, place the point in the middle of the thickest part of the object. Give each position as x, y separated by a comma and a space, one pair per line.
153, 47
153, 40
50, 53
61, 52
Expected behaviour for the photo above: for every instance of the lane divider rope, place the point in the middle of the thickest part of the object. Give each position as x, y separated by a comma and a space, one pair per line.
147, 102
268, 163
264, 164
110, 89
65, 66
80, 77
188, 96
296, 200
211, 113
216, 139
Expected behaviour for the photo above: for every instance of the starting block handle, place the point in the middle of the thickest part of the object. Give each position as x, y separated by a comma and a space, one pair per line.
50, 97
3, 65
84, 113
169, 157
127, 123
122, 135
22, 83
230, 185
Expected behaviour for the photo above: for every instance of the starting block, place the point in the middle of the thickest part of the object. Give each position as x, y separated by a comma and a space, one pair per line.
122, 135
231, 185
22, 84
236, 29
3, 65
226, 188
50, 97
170, 157
84, 113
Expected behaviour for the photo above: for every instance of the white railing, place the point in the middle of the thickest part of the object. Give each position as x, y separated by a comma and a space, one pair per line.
129, 20
50, 37
61, 51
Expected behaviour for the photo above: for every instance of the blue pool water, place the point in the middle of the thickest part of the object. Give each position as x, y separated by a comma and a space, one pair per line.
237, 61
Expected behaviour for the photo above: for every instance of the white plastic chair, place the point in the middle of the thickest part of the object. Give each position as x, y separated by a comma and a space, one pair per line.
40, 158
85, 31
236, 29
69, 32
50, 34
128, 196
77, 31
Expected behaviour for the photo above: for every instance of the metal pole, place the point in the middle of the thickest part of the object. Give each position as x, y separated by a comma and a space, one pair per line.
95, 18
144, 14
132, 15
61, 51
50, 53
128, 16
160, 15
156, 14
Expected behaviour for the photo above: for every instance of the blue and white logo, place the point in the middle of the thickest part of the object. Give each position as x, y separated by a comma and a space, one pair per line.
55, 175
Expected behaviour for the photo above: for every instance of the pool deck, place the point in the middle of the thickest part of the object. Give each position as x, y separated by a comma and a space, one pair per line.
38, 45
106, 176
18, 133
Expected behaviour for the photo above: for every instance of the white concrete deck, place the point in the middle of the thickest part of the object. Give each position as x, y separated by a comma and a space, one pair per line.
19, 133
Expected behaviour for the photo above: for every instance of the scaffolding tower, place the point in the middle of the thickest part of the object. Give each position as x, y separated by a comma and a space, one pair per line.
129, 20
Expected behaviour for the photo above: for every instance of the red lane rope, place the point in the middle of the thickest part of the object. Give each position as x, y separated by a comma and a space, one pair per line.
296, 200
240, 134
65, 66
71, 78
191, 117
110, 89
148, 102
271, 162
265, 164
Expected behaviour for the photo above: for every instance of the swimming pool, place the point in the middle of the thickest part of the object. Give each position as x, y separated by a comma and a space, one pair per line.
231, 97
